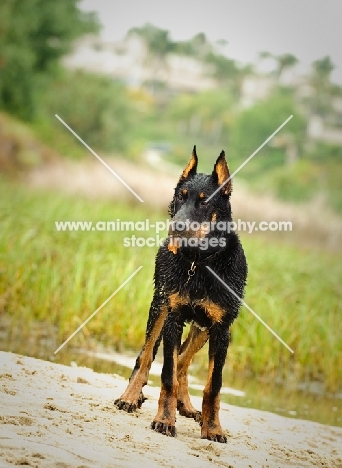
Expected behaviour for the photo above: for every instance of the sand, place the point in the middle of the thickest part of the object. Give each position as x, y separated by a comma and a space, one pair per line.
58, 416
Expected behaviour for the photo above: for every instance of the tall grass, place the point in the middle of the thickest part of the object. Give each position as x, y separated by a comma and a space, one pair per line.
62, 277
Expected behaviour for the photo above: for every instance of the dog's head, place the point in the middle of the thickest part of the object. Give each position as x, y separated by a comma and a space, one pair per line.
197, 218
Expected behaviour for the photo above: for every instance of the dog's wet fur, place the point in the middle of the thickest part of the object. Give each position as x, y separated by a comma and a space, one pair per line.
187, 291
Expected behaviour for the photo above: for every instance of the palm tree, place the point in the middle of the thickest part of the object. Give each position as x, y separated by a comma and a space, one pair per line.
322, 70
227, 73
320, 79
285, 61
264, 55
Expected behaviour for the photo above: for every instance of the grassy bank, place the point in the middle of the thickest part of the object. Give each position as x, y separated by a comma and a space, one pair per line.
62, 277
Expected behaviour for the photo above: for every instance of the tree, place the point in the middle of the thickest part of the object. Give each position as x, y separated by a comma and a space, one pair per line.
34, 34
263, 57
227, 73
285, 61
159, 46
95, 106
323, 68
197, 47
205, 115
320, 80
252, 126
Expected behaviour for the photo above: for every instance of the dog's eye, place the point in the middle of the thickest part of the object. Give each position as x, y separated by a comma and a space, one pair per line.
180, 196
203, 199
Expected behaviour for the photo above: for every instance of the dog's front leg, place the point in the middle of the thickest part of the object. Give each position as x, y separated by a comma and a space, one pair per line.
165, 420
218, 345
133, 397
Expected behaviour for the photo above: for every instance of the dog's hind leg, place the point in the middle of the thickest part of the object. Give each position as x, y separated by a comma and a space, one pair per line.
195, 340
218, 345
133, 397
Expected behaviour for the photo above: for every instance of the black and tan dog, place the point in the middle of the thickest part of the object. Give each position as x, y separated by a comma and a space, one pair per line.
187, 291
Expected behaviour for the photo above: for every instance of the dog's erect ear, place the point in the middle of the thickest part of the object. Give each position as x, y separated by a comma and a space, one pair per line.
221, 174
191, 168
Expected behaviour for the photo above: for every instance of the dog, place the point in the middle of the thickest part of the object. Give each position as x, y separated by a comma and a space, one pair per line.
187, 291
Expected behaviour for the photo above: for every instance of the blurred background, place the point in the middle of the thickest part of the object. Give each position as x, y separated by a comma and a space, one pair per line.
141, 83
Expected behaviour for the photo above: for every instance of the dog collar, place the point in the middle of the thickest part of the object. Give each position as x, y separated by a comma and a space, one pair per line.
195, 263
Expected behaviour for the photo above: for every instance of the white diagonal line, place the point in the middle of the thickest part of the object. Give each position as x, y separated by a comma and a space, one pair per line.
100, 159
248, 159
96, 311
251, 310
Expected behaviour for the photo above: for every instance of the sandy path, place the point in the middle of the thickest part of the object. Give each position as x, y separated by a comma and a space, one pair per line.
57, 416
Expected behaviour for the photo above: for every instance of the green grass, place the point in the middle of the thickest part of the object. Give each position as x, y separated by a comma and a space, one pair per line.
62, 277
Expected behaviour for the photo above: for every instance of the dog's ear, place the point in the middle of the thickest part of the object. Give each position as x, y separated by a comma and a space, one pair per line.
221, 174
191, 168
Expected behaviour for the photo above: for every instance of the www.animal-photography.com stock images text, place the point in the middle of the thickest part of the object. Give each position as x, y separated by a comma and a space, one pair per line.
171, 234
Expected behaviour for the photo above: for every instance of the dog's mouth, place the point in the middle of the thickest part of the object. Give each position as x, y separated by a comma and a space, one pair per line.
180, 236
189, 239
182, 230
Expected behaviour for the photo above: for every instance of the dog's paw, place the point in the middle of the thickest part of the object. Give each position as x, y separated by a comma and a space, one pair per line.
196, 415
164, 429
189, 412
130, 405
215, 436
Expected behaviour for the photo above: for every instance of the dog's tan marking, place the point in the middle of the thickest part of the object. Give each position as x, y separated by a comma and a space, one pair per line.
184, 192
222, 172
174, 244
202, 231
167, 404
213, 217
211, 426
192, 165
202, 195
212, 310
176, 300
193, 343
132, 393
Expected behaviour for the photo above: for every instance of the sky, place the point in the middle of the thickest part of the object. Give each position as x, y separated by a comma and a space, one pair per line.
309, 29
